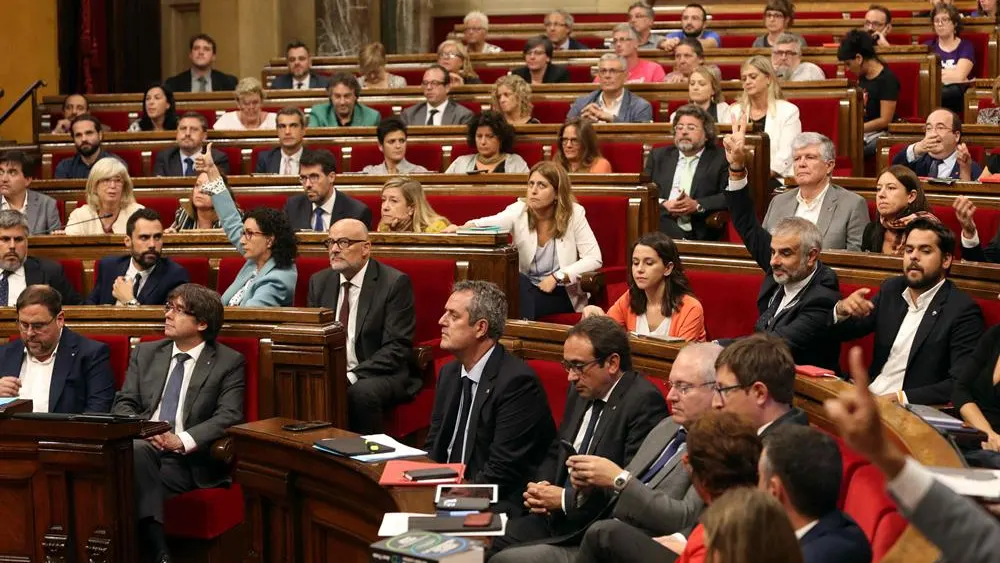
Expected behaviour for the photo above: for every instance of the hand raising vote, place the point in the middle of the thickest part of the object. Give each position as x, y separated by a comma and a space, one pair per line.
735, 143
965, 210
205, 162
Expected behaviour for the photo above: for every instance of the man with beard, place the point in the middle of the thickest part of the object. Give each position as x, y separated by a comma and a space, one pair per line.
201, 77
192, 131
321, 205
693, 20
796, 296
786, 57
691, 176
18, 270
56, 368
343, 109
374, 304
144, 276
284, 159
300, 75
87, 136
923, 324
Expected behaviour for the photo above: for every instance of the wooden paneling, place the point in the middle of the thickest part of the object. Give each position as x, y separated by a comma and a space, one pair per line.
31, 45
179, 20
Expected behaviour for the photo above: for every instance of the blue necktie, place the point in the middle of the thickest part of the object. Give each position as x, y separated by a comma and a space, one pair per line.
665, 456
318, 222
172, 391
4, 287
188, 166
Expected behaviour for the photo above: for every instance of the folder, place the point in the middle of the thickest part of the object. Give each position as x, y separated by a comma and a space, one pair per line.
392, 474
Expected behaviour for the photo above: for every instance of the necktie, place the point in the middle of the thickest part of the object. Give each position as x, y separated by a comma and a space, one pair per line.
430, 116
595, 413
345, 306
318, 221
135, 285
172, 391
298, 85
665, 456
687, 175
458, 448
288, 166
766, 321
932, 172
202, 84
188, 166
4, 287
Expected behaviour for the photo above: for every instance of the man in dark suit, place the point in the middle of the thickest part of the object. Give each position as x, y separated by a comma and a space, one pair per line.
285, 158
802, 468
438, 109
971, 247
610, 410
923, 324
300, 75
692, 192
18, 270
558, 27
796, 295
192, 131
940, 154
321, 205
144, 276
755, 378
201, 77
374, 304
195, 384
490, 410
87, 134
77, 379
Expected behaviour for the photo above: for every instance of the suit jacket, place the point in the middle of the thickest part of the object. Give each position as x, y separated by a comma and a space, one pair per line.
711, 177
575, 45
42, 213
454, 114
47, 272
81, 375
842, 218
958, 526
805, 323
213, 402
781, 127
284, 81
385, 322
165, 277
794, 415
510, 428
299, 211
835, 538
633, 109
922, 165
553, 74
269, 161
978, 254
221, 81
168, 162
948, 332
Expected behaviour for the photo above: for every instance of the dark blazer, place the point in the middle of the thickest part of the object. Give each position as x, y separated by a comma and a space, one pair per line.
711, 177
165, 277
794, 415
978, 254
284, 81
922, 165
835, 538
385, 322
805, 323
974, 381
510, 428
81, 375
213, 403
269, 161
575, 45
168, 162
45, 271
299, 211
181, 82
553, 74
946, 335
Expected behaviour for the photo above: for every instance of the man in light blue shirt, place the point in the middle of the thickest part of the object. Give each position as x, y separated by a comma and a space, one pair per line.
693, 21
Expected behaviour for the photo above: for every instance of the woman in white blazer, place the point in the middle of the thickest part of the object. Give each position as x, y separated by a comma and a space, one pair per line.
554, 242
761, 100
110, 201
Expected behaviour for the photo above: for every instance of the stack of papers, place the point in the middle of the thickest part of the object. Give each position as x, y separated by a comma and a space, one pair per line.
402, 450
396, 523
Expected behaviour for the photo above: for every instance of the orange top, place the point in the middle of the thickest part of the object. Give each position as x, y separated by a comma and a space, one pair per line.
687, 323
600, 166
694, 551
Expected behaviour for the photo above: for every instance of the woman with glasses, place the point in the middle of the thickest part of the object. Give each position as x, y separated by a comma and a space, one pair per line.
250, 115
958, 57
263, 237
512, 97
659, 301
455, 59
778, 17
493, 140
110, 201
538, 67
762, 107
705, 91
405, 209
579, 150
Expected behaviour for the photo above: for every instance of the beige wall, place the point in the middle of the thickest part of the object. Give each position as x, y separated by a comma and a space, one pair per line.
461, 7
32, 53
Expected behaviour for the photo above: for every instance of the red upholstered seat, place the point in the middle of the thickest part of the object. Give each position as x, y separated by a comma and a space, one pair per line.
165, 206
474, 107
582, 73
197, 267
116, 119
532, 153
592, 41
829, 69
253, 201
730, 301
730, 71
385, 110
908, 73
550, 111
425, 154
607, 216
119, 355
209, 114
991, 311
204, 513
625, 158
662, 385
568, 319
817, 39
870, 506
489, 75
307, 266
555, 384
461, 208
867, 342
229, 268
235, 156
820, 115
73, 270
742, 41
507, 44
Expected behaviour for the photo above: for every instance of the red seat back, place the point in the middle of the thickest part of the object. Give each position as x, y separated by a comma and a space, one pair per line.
367, 154
197, 267
817, 39
116, 119
581, 73
490, 75
730, 71
120, 351
532, 153
73, 270
625, 158
820, 115
229, 268
250, 348
867, 342
730, 301
607, 217
462, 208
550, 111
555, 384
742, 41
165, 206
246, 202
307, 267
432, 281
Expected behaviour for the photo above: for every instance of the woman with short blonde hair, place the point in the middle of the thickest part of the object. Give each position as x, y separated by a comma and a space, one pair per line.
405, 208
454, 57
512, 97
110, 201
250, 115
371, 63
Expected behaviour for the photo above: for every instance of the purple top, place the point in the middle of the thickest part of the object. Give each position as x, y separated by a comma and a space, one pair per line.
949, 59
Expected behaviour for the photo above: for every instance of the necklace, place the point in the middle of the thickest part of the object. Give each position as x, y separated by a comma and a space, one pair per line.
495, 159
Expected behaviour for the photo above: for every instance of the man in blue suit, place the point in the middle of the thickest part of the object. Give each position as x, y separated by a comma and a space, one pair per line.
59, 370
144, 276
940, 154
802, 468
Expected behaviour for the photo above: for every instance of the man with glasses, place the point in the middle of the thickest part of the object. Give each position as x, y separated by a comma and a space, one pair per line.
694, 23
612, 103
321, 205
558, 27
640, 17
56, 368
786, 57
18, 270
374, 304
438, 109
195, 384
477, 25
755, 378
940, 154
878, 22
609, 412
625, 43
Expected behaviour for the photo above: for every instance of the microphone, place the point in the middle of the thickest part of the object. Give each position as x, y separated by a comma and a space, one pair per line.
104, 216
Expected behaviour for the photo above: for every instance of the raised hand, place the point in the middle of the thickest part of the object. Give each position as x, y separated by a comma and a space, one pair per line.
964, 162
964, 211
856, 304
735, 143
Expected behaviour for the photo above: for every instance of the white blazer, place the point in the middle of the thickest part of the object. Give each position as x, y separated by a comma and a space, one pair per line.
781, 127
577, 250
86, 220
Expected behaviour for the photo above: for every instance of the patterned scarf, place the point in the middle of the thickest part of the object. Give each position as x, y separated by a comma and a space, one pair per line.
894, 229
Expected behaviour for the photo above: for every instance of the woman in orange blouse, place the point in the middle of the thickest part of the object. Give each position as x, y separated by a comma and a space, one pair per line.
659, 301
579, 151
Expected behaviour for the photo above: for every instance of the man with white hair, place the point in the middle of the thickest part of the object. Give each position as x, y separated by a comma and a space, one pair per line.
612, 103
786, 57
558, 27
477, 25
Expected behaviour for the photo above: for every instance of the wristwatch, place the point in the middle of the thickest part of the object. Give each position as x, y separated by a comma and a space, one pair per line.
132, 303
621, 481
561, 277
699, 209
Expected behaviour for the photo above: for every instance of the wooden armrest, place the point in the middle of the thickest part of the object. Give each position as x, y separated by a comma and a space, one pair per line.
717, 219
222, 450
593, 283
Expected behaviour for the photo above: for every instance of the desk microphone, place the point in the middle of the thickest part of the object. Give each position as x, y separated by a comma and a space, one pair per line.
67, 225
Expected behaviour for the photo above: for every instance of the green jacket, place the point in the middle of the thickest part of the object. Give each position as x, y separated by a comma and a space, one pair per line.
323, 115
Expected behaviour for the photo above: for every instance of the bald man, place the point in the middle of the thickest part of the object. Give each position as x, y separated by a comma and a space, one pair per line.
375, 305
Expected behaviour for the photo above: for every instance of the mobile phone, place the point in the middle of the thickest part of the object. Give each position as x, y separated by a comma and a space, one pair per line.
303, 426
567, 447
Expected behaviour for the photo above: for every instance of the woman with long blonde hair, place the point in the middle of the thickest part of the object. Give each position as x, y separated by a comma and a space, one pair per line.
109, 197
405, 209
762, 107
454, 57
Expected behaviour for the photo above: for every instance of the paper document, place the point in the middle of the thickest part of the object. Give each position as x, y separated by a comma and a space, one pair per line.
395, 523
979, 483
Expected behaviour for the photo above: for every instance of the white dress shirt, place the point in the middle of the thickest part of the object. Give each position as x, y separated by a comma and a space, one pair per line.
196, 86
614, 106
181, 155
4, 204
894, 370
792, 291
189, 444
291, 161
16, 283
303, 84
911, 485
327, 210
944, 169
130, 275
805, 529
475, 375
437, 116
810, 210
36, 379
352, 318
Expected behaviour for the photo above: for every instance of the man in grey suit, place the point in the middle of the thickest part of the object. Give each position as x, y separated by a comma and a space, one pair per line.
300, 75
840, 215
195, 384
192, 132
17, 171
961, 529
653, 494
439, 109
612, 103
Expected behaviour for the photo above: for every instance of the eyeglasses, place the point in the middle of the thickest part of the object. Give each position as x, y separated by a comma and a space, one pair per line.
723, 391
170, 307
310, 179
569, 140
939, 128
773, 15
450, 56
783, 53
877, 26
475, 29
431, 83
556, 24
609, 71
617, 40
33, 327
342, 243
579, 367
689, 127
685, 388
250, 234
942, 21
